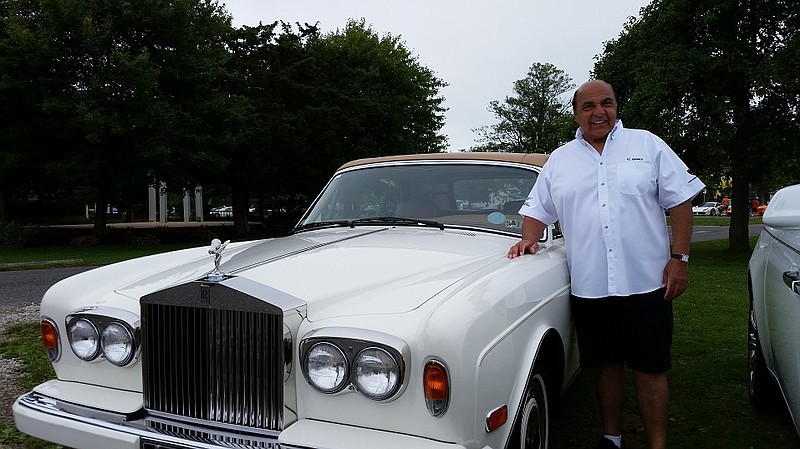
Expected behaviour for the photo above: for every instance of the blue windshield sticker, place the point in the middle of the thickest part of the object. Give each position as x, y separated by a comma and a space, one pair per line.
496, 218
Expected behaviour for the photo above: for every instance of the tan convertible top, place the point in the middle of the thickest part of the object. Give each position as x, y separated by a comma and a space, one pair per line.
535, 159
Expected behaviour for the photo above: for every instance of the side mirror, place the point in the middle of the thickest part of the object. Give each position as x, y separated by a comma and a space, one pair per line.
784, 209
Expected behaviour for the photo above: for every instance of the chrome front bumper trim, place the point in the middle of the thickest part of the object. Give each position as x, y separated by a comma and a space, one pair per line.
148, 428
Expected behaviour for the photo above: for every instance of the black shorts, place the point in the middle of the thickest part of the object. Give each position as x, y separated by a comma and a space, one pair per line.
636, 329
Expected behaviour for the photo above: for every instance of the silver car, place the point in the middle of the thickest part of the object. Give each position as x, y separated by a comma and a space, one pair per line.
774, 283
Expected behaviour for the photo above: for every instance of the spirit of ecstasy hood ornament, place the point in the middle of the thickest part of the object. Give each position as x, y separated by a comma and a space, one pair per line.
216, 249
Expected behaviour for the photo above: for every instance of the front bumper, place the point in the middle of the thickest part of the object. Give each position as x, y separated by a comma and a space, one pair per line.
46, 418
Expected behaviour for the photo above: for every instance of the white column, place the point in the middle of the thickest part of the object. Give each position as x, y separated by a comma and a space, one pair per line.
187, 205
152, 204
198, 203
162, 202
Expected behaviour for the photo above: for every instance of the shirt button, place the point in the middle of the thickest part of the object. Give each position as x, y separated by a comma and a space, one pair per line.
604, 204
602, 183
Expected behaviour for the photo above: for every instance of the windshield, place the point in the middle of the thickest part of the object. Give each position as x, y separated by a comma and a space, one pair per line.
709, 204
451, 194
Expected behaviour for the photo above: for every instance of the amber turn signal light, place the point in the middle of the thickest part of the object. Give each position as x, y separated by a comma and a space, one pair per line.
496, 418
437, 387
50, 340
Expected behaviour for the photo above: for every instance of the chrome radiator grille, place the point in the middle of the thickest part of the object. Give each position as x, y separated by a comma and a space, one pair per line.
215, 361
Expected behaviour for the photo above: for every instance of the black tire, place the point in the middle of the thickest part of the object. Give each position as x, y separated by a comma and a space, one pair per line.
533, 427
763, 391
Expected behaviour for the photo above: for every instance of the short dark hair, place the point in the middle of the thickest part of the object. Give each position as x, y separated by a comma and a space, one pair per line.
575, 94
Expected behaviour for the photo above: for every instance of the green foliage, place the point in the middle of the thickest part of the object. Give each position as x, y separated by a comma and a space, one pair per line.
718, 81
13, 235
536, 119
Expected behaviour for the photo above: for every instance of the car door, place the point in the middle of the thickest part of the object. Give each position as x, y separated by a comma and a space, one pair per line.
782, 302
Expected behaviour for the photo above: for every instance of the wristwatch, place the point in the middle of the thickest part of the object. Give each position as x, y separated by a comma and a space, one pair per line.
681, 257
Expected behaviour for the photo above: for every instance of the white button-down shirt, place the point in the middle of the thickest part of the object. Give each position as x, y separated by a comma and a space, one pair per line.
611, 209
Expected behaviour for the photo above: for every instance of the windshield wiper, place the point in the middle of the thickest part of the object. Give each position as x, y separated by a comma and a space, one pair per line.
397, 221
323, 224
368, 221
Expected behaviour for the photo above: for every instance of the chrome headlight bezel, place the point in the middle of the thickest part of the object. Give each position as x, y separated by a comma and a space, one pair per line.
352, 343
103, 319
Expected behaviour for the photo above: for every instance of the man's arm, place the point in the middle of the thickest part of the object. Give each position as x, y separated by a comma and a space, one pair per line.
532, 230
676, 273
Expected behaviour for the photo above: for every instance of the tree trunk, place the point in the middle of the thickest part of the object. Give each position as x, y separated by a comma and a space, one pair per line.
241, 210
739, 230
100, 220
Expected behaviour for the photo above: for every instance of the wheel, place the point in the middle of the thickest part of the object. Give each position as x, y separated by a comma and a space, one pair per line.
713, 212
761, 385
534, 424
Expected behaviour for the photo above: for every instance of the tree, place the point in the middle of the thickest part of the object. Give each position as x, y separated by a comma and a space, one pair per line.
123, 90
371, 97
321, 100
110, 96
718, 81
537, 119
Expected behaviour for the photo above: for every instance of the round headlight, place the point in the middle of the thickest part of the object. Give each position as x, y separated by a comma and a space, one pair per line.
326, 367
377, 374
117, 343
84, 339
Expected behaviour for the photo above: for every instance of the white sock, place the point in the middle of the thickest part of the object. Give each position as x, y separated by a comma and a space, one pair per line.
616, 439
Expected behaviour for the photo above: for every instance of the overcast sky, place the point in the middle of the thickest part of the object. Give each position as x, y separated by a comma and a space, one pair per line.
479, 47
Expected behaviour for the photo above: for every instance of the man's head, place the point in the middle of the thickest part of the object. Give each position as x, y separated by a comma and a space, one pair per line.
594, 106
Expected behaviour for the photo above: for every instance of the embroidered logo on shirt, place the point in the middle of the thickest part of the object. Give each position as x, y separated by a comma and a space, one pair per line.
635, 158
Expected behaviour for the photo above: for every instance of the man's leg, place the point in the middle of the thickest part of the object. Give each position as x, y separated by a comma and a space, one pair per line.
610, 389
652, 394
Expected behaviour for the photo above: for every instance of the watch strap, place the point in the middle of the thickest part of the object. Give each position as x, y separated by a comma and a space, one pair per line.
681, 257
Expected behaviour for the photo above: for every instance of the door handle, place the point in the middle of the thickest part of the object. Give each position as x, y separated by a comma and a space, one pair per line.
792, 280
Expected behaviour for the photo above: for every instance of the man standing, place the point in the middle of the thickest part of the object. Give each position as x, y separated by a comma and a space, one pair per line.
609, 188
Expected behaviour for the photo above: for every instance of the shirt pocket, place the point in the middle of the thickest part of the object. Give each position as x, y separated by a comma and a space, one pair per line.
635, 178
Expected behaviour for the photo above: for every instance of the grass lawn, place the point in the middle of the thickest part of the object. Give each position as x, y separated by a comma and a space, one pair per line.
709, 404
67, 256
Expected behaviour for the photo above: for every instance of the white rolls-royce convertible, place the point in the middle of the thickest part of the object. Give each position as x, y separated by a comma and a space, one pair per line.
389, 318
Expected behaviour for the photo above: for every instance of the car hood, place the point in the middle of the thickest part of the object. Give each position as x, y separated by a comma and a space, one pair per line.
347, 271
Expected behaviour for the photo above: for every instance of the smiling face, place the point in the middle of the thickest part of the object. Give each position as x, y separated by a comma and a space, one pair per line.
595, 110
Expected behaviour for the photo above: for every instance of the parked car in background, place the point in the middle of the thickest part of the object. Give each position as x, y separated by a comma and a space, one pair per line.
774, 285
391, 317
222, 212
709, 208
